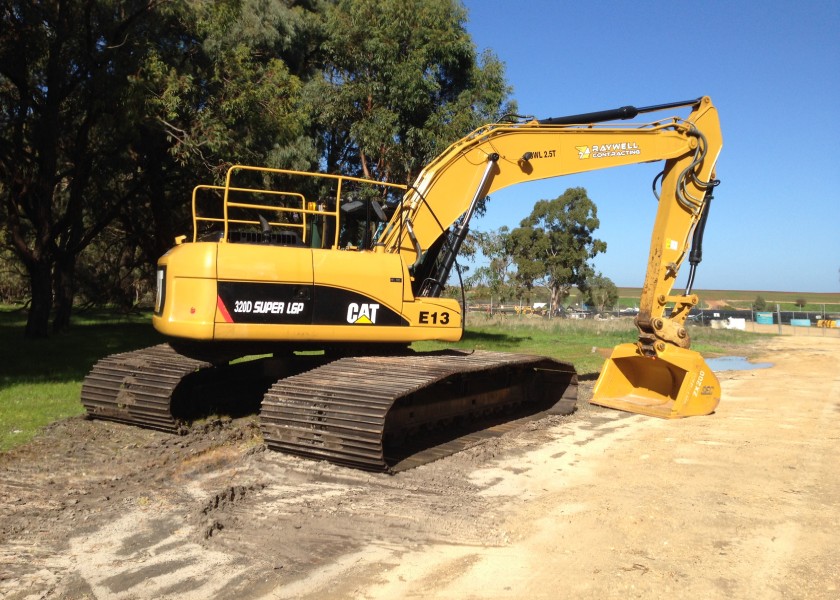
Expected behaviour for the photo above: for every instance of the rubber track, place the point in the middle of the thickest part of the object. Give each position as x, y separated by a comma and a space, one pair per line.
137, 387
339, 412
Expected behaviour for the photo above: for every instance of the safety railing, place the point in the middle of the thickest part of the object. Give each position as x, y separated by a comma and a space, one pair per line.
294, 210
226, 220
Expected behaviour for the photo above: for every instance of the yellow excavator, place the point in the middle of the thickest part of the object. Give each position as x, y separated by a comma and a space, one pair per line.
312, 273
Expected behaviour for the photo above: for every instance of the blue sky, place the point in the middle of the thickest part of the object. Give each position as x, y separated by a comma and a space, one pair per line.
772, 69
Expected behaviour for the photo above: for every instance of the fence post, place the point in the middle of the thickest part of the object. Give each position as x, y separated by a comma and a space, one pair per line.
779, 317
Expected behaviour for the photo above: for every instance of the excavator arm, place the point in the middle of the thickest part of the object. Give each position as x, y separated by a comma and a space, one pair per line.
658, 375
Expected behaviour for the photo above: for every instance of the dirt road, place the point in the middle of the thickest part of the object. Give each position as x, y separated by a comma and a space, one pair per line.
741, 504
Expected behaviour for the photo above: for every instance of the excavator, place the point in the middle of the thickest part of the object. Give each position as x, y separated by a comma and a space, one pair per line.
310, 274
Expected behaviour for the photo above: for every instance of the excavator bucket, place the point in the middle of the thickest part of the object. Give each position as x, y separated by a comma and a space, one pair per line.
676, 383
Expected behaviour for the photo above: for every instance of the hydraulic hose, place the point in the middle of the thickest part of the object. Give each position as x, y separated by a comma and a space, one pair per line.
696, 254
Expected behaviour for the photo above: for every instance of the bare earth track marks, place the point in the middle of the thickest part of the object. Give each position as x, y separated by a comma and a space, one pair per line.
744, 503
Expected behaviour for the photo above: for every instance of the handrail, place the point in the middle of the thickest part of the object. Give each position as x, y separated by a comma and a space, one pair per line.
304, 210
197, 218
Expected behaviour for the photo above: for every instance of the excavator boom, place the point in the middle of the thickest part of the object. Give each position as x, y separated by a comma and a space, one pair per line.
658, 375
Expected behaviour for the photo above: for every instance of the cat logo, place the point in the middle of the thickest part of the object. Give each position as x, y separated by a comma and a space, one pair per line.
362, 314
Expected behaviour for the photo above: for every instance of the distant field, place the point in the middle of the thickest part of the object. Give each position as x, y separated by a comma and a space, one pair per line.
717, 299
745, 298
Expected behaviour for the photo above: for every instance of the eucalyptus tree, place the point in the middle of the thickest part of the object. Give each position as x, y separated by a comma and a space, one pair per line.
553, 246
215, 90
111, 110
401, 81
600, 292
64, 76
497, 275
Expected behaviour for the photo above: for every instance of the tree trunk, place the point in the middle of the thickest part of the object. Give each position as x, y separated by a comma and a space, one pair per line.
559, 292
64, 291
40, 282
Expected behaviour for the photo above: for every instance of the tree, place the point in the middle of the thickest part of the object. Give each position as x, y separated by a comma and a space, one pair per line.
601, 293
497, 276
800, 302
112, 110
401, 81
109, 109
64, 71
215, 90
555, 244
759, 304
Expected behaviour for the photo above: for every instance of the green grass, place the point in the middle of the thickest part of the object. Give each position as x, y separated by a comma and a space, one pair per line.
40, 380
566, 340
718, 342
578, 341
26, 407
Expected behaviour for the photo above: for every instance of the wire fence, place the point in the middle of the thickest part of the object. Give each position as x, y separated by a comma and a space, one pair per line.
828, 316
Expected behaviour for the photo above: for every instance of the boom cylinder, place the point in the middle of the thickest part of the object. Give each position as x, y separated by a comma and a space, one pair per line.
615, 114
434, 285
696, 255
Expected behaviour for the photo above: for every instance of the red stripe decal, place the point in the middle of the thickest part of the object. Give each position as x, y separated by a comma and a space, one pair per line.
223, 310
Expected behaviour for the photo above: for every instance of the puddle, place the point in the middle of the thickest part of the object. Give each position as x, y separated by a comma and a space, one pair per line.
735, 363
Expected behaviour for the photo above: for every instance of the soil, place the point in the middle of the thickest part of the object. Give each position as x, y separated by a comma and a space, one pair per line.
744, 503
